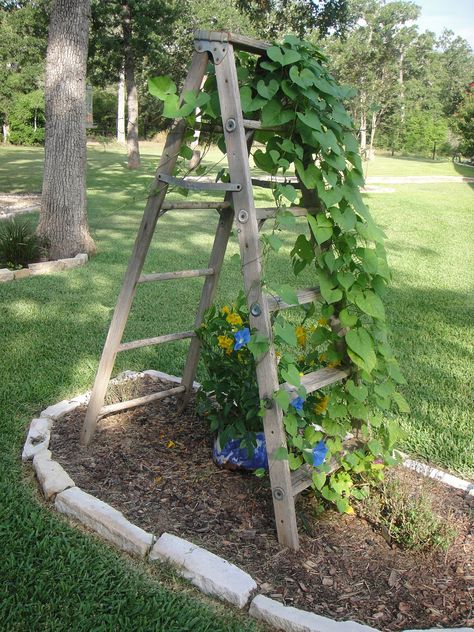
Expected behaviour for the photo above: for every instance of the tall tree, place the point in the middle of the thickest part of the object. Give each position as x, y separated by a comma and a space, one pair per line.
131, 35
63, 219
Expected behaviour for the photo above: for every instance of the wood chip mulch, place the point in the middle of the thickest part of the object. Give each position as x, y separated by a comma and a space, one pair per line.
155, 466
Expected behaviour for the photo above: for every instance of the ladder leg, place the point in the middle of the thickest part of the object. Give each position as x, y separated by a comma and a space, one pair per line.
267, 376
140, 249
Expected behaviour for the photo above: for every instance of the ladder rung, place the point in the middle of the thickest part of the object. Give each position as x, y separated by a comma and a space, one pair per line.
148, 342
180, 274
196, 206
253, 124
140, 401
271, 183
264, 213
198, 185
305, 296
318, 379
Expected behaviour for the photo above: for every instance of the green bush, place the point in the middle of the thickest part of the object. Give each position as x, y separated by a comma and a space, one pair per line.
26, 135
19, 245
407, 517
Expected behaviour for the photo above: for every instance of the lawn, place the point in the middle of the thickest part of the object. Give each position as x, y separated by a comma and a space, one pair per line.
52, 332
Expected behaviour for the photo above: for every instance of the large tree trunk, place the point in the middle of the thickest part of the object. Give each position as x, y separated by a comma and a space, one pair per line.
121, 110
63, 219
133, 149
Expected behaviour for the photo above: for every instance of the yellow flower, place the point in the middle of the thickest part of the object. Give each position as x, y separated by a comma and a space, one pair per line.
234, 319
301, 335
225, 309
225, 343
323, 322
321, 406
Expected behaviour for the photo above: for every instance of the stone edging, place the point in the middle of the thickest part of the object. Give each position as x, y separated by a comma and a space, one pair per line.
211, 574
44, 267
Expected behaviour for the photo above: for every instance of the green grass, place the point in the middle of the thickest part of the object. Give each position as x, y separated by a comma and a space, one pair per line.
52, 329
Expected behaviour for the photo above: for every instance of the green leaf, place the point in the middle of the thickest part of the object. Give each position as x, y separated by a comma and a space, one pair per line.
186, 152
347, 319
319, 479
303, 79
264, 161
260, 472
280, 454
291, 424
370, 304
291, 375
282, 398
310, 119
401, 402
286, 219
329, 294
171, 106
273, 241
285, 332
258, 345
345, 219
289, 192
309, 176
303, 249
267, 91
321, 227
360, 342
161, 87
294, 461
283, 56
288, 294
359, 392
346, 279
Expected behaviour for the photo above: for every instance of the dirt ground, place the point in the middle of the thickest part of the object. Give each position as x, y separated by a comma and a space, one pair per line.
155, 466
16, 204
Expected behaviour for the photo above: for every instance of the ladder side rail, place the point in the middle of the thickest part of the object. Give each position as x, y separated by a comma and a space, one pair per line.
247, 231
140, 249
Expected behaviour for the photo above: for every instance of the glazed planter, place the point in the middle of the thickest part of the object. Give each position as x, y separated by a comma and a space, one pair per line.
234, 457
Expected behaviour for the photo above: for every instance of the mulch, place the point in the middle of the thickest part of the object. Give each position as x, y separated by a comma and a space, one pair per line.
154, 464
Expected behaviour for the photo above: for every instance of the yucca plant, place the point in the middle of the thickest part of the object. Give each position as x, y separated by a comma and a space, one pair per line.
19, 245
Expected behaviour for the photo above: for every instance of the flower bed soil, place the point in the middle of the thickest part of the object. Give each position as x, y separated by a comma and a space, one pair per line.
155, 466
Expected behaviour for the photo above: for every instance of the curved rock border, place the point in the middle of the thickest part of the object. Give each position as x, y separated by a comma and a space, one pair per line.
44, 267
211, 574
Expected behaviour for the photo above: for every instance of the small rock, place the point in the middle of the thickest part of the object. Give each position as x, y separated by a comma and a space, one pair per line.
6, 275
45, 267
22, 274
328, 581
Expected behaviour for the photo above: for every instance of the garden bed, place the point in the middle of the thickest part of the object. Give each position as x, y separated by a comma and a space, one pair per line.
154, 465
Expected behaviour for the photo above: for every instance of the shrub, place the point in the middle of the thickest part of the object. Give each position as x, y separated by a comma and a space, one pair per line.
19, 245
407, 517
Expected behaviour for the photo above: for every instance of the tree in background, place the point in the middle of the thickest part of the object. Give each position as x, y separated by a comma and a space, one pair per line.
63, 218
23, 36
129, 36
465, 124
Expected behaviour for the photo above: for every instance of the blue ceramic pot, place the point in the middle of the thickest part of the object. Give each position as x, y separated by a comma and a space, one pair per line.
233, 456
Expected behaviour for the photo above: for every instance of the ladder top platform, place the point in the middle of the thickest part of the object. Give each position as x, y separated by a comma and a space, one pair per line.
241, 42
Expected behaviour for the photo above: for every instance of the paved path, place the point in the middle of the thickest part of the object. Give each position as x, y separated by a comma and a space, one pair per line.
416, 179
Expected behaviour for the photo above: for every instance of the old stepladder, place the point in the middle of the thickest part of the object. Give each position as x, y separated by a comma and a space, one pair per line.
238, 206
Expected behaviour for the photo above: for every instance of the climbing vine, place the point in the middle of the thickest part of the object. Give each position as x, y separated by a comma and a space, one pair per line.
347, 431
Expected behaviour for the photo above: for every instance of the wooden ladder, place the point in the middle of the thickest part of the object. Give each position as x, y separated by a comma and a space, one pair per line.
238, 205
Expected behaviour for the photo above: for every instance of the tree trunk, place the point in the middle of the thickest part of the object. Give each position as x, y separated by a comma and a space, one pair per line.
363, 132
5, 132
63, 219
121, 110
402, 86
133, 149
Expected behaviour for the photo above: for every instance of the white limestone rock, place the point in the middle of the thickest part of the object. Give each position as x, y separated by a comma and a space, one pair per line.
159, 375
211, 574
82, 257
56, 411
46, 267
70, 263
6, 275
105, 520
293, 620
439, 475
443, 630
37, 439
51, 476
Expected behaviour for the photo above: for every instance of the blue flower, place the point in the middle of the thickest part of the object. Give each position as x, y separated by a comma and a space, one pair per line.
297, 403
319, 453
241, 338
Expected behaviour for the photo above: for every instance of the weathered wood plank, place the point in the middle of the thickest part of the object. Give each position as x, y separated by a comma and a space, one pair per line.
194, 206
179, 274
318, 379
304, 296
157, 340
139, 401
247, 232
249, 44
